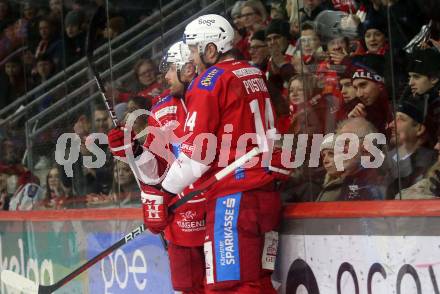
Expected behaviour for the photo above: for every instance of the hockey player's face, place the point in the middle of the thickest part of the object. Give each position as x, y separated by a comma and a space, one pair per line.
195, 59
176, 87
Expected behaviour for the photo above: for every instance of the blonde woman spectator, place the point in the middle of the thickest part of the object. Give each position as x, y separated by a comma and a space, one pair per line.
253, 16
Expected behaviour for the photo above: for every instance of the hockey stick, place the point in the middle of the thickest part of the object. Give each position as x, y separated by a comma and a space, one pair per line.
22, 284
97, 21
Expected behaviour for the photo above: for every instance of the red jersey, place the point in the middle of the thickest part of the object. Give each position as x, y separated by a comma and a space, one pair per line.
188, 225
229, 100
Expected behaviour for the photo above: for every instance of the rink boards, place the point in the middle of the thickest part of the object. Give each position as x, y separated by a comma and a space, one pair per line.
364, 247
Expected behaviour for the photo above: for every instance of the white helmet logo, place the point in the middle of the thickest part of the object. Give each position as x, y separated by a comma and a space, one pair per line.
208, 22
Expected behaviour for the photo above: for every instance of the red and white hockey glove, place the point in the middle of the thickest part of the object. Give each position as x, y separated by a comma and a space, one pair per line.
117, 146
155, 208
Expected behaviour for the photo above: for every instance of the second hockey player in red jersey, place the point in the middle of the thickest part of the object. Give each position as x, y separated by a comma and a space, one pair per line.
185, 230
229, 112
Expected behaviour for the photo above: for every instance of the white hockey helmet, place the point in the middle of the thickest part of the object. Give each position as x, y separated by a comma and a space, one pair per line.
177, 54
210, 28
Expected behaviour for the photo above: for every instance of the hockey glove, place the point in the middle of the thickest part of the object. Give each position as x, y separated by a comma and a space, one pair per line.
155, 208
117, 146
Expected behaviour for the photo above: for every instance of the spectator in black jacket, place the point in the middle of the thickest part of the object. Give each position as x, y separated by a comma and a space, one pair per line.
75, 37
424, 81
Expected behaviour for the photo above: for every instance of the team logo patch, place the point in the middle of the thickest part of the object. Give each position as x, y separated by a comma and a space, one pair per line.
227, 256
209, 78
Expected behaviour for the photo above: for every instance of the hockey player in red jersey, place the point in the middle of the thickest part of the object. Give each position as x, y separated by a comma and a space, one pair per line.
185, 230
229, 112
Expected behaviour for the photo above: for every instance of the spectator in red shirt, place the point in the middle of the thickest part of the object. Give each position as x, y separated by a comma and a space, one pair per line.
375, 35
370, 89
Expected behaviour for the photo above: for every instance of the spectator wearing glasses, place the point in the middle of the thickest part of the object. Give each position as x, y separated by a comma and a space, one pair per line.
259, 51
309, 47
253, 16
74, 36
375, 35
146, 85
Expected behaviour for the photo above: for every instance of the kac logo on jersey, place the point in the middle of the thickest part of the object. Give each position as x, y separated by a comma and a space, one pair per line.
209, 78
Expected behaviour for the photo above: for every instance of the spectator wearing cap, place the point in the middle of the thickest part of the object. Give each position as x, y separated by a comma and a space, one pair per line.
375, 35
429, 186
348, 92
424, 81
410, 138
280, 68
146, 84
75, 37
367, 78
259, 51
309, 47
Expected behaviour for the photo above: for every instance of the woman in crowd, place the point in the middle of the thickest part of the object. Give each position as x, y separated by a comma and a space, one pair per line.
147, 85
124, 190
56, 195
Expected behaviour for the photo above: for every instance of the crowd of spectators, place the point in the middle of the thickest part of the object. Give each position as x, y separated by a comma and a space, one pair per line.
39, 38
332, 67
